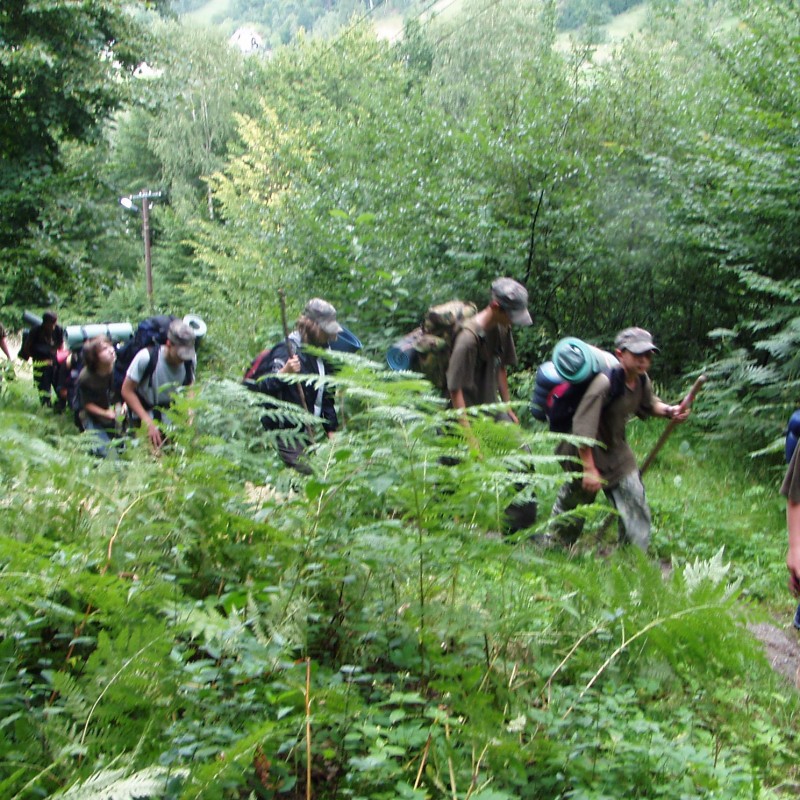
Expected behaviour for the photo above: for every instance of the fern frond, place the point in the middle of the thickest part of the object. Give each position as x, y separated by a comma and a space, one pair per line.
115, 784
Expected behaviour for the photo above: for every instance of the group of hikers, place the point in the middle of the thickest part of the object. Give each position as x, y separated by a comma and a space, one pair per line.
476, 375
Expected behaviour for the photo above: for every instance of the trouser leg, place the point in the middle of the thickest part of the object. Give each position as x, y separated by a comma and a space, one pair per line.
566, 526
101, 437
628, 498
294, 456
43, 378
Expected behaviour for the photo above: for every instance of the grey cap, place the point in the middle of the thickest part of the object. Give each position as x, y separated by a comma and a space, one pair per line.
513, 299
324, 314
636, 341
182, 337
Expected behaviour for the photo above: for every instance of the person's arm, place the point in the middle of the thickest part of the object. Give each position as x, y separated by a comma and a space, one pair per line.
4, 347
591, 481
458, 402
95, 410
505, 395
676, 413
793, 552
133, 401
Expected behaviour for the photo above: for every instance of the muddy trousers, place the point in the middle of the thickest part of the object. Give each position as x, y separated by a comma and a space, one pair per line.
627, 497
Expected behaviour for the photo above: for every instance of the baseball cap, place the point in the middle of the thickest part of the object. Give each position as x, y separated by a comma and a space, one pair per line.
636, 341
324, 314
513, 299
182, 337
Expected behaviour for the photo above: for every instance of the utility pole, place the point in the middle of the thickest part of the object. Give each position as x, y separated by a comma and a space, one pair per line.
146, 197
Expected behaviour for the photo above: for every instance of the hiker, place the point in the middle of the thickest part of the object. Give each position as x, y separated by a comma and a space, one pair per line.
476, 372
790, 489
95, 410
610, 465
148, 389
484, 347
44, 342
4, 343
316, 326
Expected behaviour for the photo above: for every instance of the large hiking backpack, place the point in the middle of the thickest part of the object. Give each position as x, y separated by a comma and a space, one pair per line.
427, 348
560, 384
149, 332
792, 434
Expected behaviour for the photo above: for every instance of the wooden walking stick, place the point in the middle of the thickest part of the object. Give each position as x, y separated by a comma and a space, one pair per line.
291, 351
685, 403
290, 346
651, 456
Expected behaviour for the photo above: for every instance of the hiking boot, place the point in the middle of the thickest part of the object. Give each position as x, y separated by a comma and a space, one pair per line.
796, 620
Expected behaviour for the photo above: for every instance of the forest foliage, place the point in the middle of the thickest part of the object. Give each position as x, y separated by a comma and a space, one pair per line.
172, 628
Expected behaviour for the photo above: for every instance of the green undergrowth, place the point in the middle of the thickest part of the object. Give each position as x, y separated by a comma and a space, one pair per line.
207, 625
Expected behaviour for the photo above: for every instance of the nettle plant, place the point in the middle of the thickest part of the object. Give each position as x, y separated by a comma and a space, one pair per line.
175, 627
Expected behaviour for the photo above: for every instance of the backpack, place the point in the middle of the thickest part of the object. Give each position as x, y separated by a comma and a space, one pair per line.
792, 434
258, 368
25, 348
69, 387
150, 331
560, 384
427, 349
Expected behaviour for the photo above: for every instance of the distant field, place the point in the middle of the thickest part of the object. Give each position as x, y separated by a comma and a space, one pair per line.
391, 25
207, 14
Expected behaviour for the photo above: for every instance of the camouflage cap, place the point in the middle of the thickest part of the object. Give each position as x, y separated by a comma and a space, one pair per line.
182, 337
636, 341
324, 314
513, 299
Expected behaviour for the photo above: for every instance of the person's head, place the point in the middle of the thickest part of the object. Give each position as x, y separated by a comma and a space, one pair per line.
99, 354
317, 324
634, 349
180, 342
49, 320
511, 298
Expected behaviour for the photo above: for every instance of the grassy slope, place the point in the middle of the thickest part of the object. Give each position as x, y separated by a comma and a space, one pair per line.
390, 26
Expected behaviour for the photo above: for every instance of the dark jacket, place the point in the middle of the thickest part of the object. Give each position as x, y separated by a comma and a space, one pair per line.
276, 387
42, 347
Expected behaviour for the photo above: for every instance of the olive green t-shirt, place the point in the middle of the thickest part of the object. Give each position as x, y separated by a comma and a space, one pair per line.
613, 457
477, 355
790, 488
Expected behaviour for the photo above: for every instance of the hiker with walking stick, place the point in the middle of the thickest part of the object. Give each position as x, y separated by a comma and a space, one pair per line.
610, 464
316, 326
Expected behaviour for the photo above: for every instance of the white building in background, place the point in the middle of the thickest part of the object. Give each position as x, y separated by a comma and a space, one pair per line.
247, 40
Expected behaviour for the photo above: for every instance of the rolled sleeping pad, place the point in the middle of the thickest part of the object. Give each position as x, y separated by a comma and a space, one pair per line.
197, 325
116, 331
403, 355
575, 360
31, 319
547, 378
346, 342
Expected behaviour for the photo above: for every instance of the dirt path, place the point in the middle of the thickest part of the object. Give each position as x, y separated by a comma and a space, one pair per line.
782, 646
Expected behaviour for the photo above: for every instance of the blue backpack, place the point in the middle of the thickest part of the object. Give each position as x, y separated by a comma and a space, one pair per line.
792, 434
